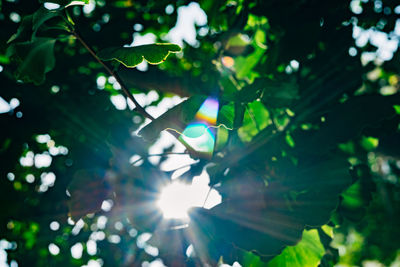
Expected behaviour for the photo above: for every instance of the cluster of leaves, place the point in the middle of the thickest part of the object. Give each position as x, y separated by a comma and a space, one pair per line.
308, 139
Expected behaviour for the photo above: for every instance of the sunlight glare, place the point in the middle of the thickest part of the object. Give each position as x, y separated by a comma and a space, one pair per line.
175, 201
177, 198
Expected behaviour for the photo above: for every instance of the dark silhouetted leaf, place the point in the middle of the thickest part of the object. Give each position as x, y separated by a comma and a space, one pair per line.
24, 31
34, 59
279, 211
88, 190
41, 16
347, 120
172, 244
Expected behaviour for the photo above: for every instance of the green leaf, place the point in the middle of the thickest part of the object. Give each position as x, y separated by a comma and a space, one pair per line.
31, 24
250, 92
41, 16
357, 197
132, 56
353, 115
34, 59
238, 40
24, 32
34, 55
4, 59
397, 108
308, 252
278, 94
226, 115
255, 119
369, 143
289, 140
245, 65
280, 211
65, 3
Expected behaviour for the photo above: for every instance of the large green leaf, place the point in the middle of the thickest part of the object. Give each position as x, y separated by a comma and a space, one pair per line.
41, 16
245, 65
308, 252
24, 31
133, 56
256, 118
31, 24
34, 55
34, 59
279, 211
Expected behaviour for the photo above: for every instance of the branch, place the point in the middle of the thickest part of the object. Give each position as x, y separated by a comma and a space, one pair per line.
159, 155
139, 108
208, 194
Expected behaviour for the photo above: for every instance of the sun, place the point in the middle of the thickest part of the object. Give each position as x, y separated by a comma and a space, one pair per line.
175, 200
177, 197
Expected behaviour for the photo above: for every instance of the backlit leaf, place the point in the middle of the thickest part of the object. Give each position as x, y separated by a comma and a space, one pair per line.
255, 119
132, 56
308, 252
66, 2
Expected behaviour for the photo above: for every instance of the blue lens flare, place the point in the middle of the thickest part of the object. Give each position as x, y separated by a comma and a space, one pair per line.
198, 135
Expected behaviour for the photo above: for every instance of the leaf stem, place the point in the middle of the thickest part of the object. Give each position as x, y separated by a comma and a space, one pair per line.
208, 194
138, 108
159, 155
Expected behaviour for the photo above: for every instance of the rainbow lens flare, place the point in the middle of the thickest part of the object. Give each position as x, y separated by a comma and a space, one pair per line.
198, 135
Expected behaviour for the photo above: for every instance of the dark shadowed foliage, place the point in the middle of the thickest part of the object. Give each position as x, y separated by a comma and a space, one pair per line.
280, 118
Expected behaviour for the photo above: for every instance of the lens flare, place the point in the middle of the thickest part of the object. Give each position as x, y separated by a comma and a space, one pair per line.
177, 197
198, 135
208, 111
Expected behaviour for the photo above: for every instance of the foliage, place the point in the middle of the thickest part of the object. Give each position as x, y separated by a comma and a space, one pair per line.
306, 153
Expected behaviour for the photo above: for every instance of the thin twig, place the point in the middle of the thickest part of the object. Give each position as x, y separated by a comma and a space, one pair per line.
208, 194
160, 155
139, 108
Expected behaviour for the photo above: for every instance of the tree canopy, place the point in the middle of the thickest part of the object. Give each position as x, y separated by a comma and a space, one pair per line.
204, 133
